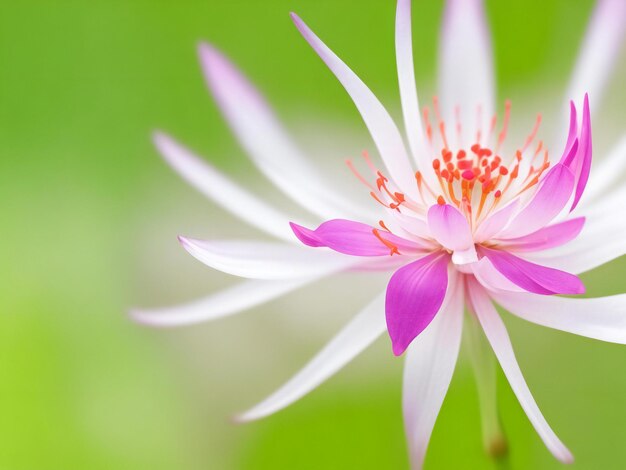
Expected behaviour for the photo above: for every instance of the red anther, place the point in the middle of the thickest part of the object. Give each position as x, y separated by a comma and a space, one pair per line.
461, 154
457, 174
494, 165
450, 166
468, 175
436, 164
515, 172
381, 176
475, 148
447, 155
399, 197
464, 164
485, 153
476, 171
504, 171
441, 201
445, 174
497, 194
518, 155
382, 224
483, 163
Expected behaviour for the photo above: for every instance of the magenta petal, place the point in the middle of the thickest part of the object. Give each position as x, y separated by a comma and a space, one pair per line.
584, 154
533, 277
353, 238
414, 295
548, 237
551, 197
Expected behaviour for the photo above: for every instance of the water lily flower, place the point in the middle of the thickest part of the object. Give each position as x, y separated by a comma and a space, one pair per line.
462, 218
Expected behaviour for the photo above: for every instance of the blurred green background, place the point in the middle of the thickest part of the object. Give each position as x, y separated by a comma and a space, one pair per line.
90, 214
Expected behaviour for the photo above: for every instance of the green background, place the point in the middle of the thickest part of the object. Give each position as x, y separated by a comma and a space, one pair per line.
89, 216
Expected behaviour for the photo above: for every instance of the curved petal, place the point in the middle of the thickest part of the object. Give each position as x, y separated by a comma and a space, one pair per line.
499, 339
380, 125
357, 335
466, 48
428, 369
265, 141
415, 294
606, 172
599, 51
533, 277
264, 260
554, 192
230, 301
222, 190
355, 238
488, 276
547, 237
494, 223
451, 229
583, 164
408, 90
602, 318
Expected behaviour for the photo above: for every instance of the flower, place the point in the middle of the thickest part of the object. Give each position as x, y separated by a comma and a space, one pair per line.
461, 220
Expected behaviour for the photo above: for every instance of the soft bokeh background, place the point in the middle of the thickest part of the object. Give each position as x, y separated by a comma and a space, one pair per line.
89, 215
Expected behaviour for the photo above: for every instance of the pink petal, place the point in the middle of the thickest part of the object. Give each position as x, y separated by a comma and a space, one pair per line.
414, 295
495, 222
547, 237
354, 238
488, 276
428, 369
500, 342
533, 277
451, 229
554, 192
380, 125
584, 154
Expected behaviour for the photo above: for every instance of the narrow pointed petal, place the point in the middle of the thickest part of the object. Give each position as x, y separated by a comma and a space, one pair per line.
408, 90
533, 277
451, 229
428, 369
355, 238
551, 197
357, 335
415, 294
547, 237
602, 318
583, 165
264, 260
489, 277
606, 172
599, 52
466, 76
230, 301
222, 190
264, 139
380, 125
499, 339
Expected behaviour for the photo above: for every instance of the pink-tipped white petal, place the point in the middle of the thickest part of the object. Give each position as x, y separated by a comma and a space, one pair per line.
264, 260
357, 335
602, 318
605, 173
499, 339
451, 229
230, 301
494, 223
222, 190
550, 236
553, 194
466, 76
599, 52
489, 277
380, 125
428, 369
262, 136
408, 90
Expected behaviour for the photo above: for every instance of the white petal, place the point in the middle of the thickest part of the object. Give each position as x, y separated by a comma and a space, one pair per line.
466, 77
265, 141
357, 335
600, 241
264, 260
428, 369
408, 90
380, 125
499, 339
605, 173
222, 190
230, 301
599, 53
602, 318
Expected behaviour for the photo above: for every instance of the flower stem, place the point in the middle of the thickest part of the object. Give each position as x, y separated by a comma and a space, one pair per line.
484, 365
